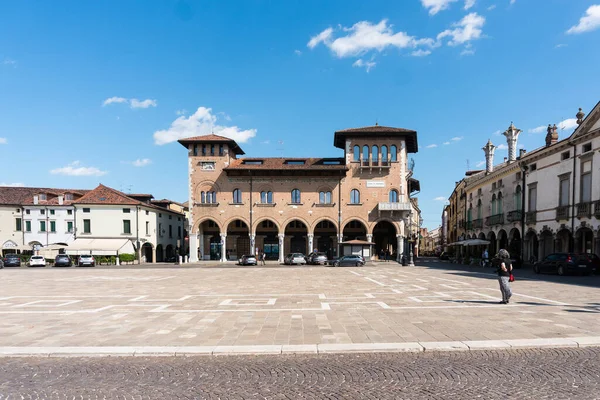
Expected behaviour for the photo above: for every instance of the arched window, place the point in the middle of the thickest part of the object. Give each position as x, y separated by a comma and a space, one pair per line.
494, 204
296, 196
214, 197
384, 155
393, 196
375, 155
324, 197
237, 196
393, 152
356, 153
266, 197
203, 197
479, 210
518, 198
499, 204
365, 155
354, 196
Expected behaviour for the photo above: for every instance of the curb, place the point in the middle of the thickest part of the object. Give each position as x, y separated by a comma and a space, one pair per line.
325, 348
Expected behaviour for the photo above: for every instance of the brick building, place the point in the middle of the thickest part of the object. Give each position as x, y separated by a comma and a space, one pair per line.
283, 205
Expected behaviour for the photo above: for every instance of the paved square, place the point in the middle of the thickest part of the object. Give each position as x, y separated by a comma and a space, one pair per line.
210, 306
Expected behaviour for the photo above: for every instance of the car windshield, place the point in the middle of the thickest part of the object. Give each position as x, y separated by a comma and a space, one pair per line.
12, 256
86, 256
37, 258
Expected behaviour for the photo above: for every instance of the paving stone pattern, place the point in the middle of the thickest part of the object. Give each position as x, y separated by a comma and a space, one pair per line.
214, 306
519, 374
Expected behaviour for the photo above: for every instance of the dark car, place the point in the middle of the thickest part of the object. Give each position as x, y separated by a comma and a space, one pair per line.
317, 258
248, 260
349, 261
12, 260
62, 260
592, 259
566, 263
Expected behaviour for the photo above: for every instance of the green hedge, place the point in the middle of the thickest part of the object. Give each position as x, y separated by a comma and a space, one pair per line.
127, 258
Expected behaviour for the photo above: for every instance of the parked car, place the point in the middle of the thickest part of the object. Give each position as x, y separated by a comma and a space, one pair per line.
566, 263
294, 258
62, 260
352, 260
86, 259
1, 263
317, 258
37, 261
12, 260
248, 260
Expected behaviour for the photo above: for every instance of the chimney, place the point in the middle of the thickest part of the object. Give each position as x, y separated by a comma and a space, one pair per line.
552, 135
512, 134
505, 158
60, 199
522, 152
36, 199
489, 156
580, 116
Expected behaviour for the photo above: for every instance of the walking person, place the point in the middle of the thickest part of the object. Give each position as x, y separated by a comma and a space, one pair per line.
484, 258
262, 257
504, 270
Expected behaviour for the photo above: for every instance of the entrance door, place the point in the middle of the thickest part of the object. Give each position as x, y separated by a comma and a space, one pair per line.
215, 248
243, 246
298, 244
271, 248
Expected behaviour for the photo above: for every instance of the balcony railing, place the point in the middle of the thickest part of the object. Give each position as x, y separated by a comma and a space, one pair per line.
375, 164
478, 224
497, 219
562, 212
584, 209
387, 206
514, 216
531, 217
597, 209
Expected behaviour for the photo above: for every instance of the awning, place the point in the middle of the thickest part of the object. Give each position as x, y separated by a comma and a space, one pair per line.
475, 242
358, 242
101, 247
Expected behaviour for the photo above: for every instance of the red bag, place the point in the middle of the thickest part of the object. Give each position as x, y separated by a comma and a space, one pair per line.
511, 278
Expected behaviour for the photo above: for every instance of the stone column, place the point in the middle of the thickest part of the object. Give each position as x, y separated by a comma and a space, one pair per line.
370, 239
310, 242
400, 245
281, 236
253, 243
193, 248
223, 247
153, 254
201, 247
340, 239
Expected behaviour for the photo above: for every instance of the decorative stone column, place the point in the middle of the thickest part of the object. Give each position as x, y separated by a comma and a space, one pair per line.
370, 239
193, 248
200, 246
252, 243
400, 246
223, 247
153, 254
281, 237
340, 239
512, 134
310, 242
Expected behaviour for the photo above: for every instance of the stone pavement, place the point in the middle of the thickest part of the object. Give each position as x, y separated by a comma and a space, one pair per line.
516, 374
220, 306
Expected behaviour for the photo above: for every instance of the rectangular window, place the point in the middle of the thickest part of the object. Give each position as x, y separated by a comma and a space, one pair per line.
178, 232
212, 149
586, 147
221, 150
43, 196
195, 150
127, 210
565, 156
43, 212
69, 196
160, 232
52, 226
69, 212
170, 231
147, 212
27, 226
87, 226
27, 212
42, 226
18, 224
586, 181
52, 212
70, 226
533, 167
203, 149
170, 216
147, 228
126, 226
563, 199
532, 198
86, 210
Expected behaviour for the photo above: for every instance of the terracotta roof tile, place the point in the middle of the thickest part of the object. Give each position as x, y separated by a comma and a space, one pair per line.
105, 195
409, 135
212, 139
10, 195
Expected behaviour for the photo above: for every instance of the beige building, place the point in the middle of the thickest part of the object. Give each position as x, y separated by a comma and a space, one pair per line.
282, 205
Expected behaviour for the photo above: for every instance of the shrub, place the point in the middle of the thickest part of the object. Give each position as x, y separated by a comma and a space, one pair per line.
126, 258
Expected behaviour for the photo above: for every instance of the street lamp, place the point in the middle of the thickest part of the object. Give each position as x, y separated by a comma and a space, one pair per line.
410, 250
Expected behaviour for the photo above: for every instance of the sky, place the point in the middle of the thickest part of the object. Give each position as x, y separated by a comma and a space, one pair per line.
99, 91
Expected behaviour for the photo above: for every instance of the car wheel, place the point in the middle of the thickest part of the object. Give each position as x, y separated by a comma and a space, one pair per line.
536, 269
336, 264
561, 270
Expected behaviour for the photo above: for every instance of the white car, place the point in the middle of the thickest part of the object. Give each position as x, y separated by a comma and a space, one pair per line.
37, 261
294, 258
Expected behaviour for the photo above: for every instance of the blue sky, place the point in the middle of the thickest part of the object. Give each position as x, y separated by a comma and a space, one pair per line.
96, 92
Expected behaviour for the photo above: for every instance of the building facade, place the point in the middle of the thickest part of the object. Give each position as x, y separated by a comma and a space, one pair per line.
283, 205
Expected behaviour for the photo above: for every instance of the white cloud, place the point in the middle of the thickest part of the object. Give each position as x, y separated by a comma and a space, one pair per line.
420, 53
181, 112
467, 52
141, 162
498, 132
457, 138
558, 46
3, 140
431, 146
367, 64
364, 36
298, 52
10, 62
467, 29
589, 22
74, 169
440, 198
435, 6
202, 122
14, 184
114, 99
539, 129
133, 103
502, 147
446, 143
567, 124
469, 4
266, 142
480, 164
490, 8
